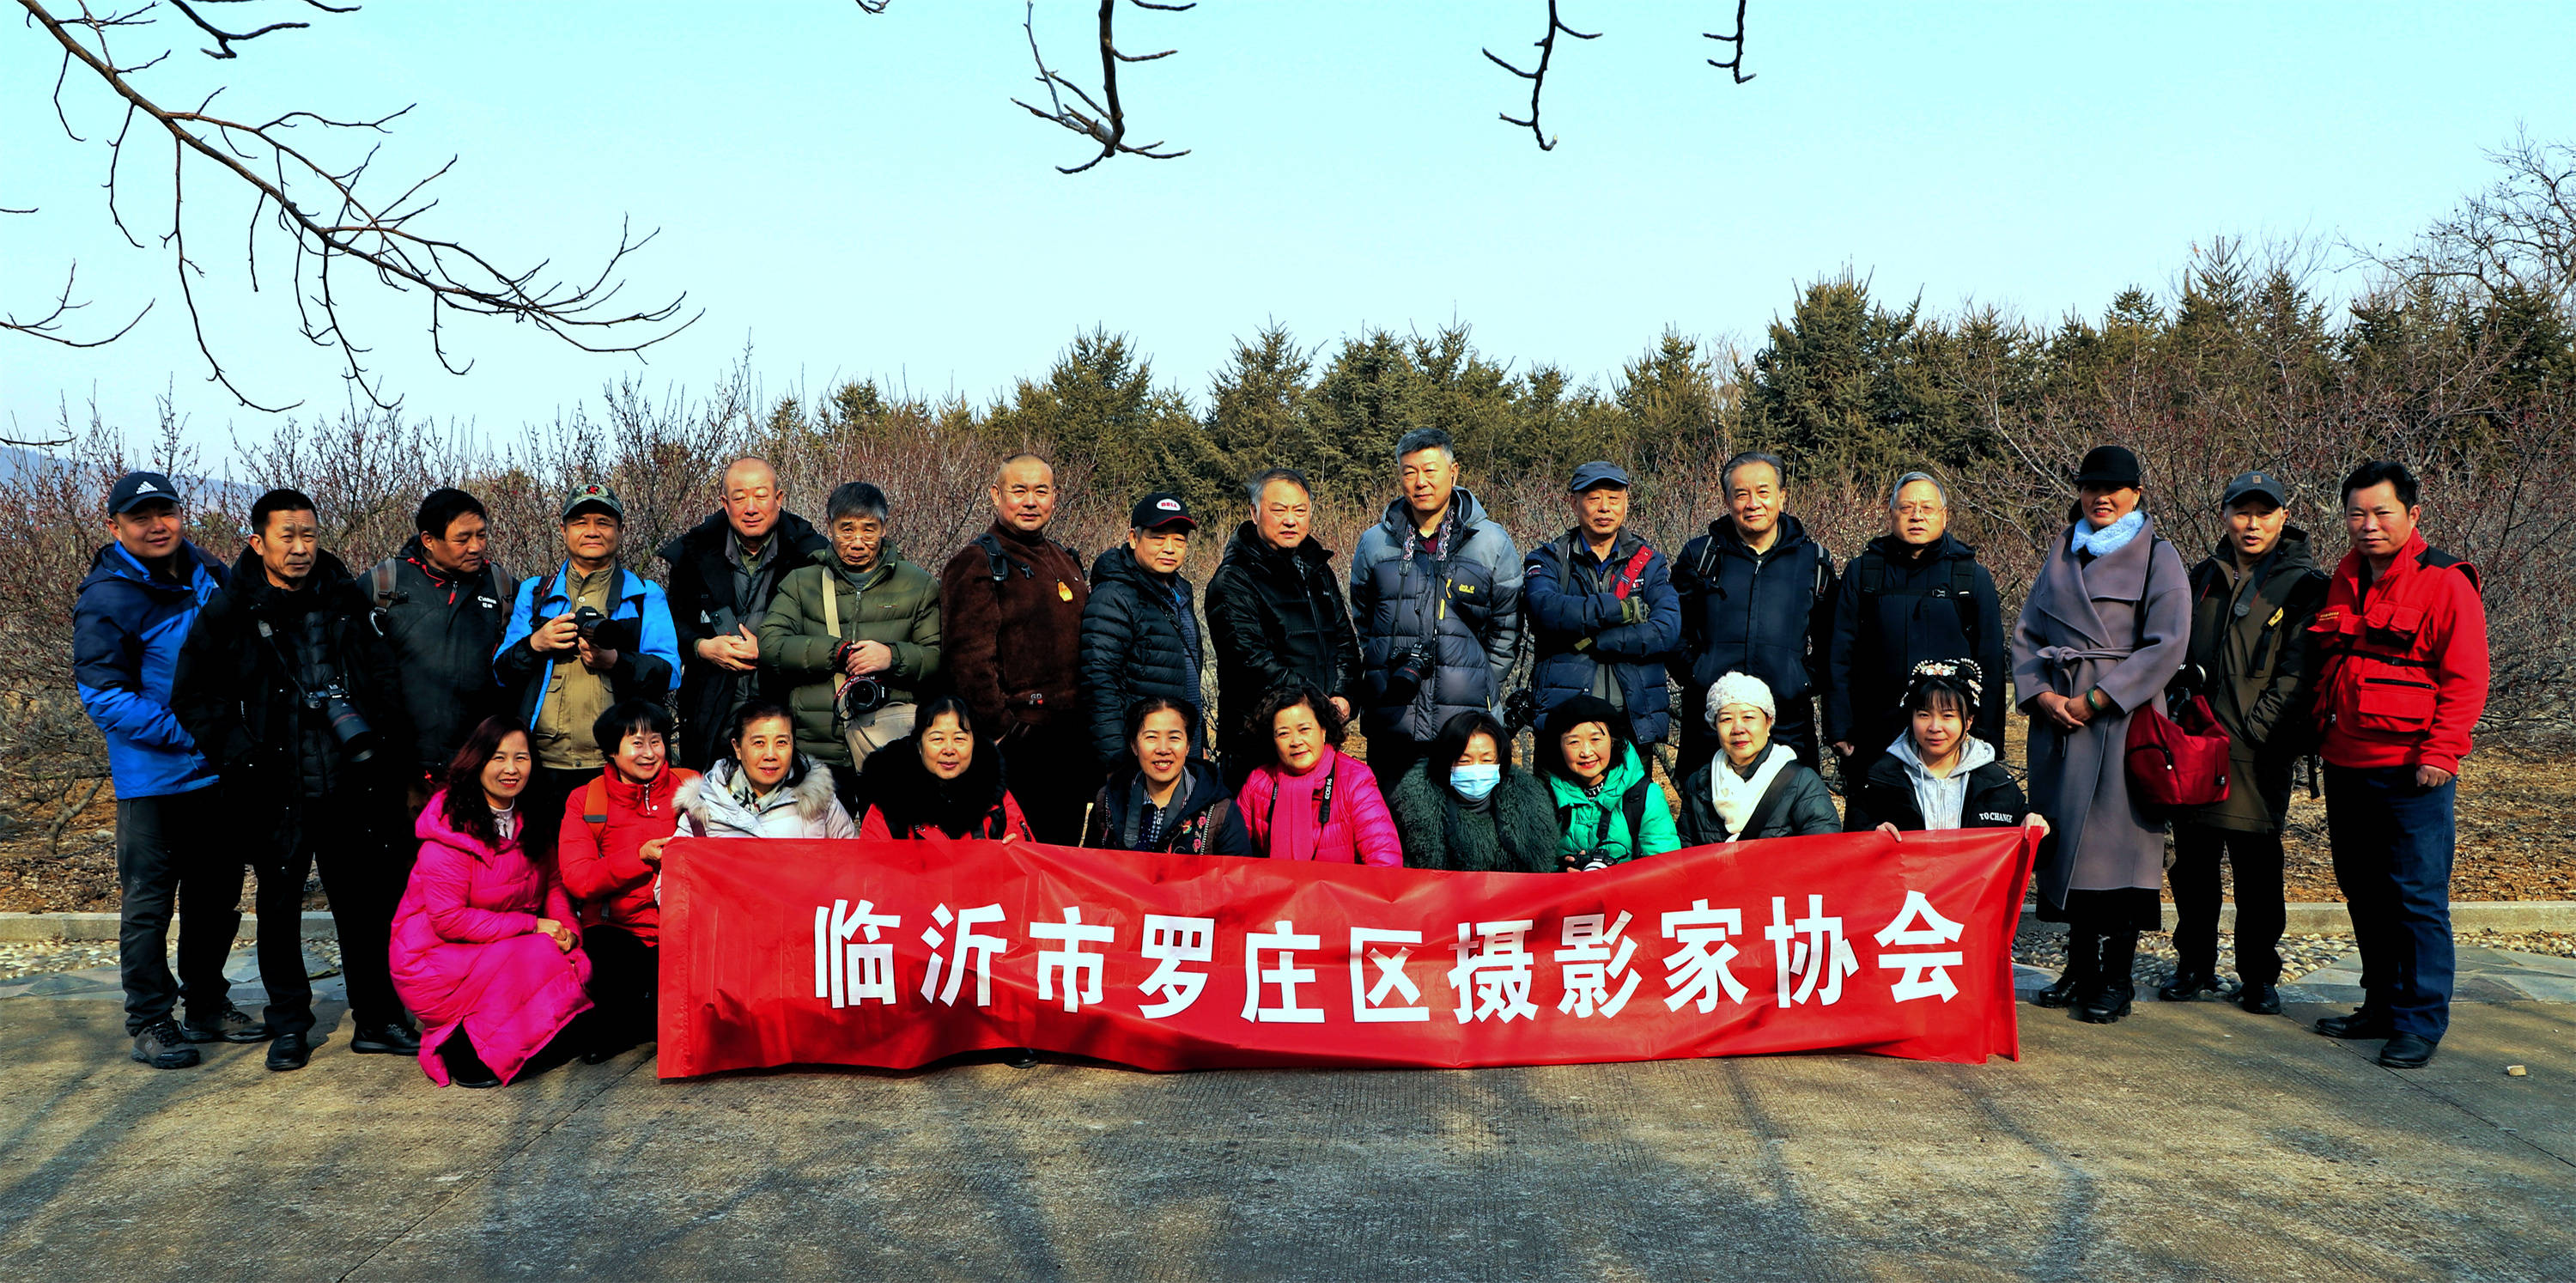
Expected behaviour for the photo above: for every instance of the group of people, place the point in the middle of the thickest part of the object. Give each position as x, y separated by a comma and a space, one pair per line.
545, 739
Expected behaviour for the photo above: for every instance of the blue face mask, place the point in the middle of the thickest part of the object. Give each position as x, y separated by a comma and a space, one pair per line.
1475, 783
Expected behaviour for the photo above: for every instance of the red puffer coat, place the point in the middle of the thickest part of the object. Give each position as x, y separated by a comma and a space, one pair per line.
600, 865
2402, 663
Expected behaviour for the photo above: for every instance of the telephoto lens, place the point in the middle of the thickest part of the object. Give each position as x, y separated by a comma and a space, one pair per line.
348, 724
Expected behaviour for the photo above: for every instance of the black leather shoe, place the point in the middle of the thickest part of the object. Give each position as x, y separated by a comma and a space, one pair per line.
162, 1046
2187, 986
1022, 1058
289, 1051
2262, 1000
385, 1040
2359, 1025
2061, 994
232, 1024
2408, 1051
2105, 1005
477, 1078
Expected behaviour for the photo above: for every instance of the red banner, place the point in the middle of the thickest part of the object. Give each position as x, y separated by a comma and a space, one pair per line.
897, 953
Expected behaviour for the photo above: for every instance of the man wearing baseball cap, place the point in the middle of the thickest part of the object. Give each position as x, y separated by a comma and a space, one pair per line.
586, 636
1602, 610
2251, 600
1140, 635
141, 596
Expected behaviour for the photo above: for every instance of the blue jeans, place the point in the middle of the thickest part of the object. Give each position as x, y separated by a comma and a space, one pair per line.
2392, 856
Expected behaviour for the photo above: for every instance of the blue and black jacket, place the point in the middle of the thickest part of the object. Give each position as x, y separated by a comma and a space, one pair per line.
645, 668
1575, 604
126, 634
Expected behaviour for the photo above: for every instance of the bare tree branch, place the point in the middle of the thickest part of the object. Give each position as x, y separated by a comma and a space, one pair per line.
1735, 65
283, 171
1106, 125
1538, 76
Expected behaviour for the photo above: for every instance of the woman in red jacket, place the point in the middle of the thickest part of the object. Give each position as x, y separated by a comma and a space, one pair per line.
608, 853
1310, 802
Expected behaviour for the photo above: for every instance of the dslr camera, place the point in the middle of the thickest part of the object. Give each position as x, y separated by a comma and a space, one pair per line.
347, 724
1407, 670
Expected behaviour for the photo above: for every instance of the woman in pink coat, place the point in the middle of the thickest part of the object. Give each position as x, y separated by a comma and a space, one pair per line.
486, 951
1311, 802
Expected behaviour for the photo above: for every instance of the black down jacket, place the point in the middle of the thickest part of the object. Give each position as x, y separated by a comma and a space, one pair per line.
1275, 618
1769, 614
442, 631
1135, 644
1896, 609
702, 603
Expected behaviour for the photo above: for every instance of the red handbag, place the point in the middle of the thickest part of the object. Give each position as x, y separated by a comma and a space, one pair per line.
2177, 764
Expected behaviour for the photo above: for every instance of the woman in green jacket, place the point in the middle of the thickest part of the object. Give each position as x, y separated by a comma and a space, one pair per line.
856, 634
1607, 807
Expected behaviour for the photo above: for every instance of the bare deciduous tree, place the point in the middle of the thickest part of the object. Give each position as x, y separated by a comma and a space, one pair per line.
2517, 235
305, 188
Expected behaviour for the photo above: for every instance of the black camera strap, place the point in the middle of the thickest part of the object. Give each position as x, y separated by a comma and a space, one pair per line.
1323, 804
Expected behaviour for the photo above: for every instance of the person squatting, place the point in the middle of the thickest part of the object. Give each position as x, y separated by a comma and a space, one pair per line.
544, 739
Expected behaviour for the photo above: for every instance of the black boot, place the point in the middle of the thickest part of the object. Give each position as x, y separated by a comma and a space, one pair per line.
2107, 998
464, 1068
2188, 984
2083, 956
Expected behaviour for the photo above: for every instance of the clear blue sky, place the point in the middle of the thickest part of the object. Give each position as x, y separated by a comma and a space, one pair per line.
853, 195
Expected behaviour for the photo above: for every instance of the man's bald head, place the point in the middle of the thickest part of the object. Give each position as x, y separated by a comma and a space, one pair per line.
752, 498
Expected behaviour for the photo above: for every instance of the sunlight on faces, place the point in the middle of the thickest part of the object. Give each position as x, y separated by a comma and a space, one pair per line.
752, 499
1939, 730
591, 536
2253, 525
1586, 748
1480, 751
1755, 498
1921, 515
1745, 730
1298, 737
2379, 524
855, 540
1600, 511
947, 748
507, 773
287, 544
1284, 516
462, 548
1428, 478
2104, 504
1162, 746
639, 755
1024, 498
149, 530
767, 751
1160, 550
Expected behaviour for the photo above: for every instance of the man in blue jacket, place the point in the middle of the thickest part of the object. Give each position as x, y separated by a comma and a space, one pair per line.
1602, 610
141, 595
1436, 596
587, 635
1757, 598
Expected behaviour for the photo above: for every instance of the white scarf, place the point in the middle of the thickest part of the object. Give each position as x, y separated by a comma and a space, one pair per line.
1735, 796
2109, 539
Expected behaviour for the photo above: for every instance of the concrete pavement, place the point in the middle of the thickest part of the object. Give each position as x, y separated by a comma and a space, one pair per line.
2189, 1142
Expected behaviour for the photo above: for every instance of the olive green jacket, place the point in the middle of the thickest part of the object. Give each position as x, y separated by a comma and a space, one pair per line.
896, 603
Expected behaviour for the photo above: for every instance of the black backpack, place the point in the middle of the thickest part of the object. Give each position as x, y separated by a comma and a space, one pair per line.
1868, 572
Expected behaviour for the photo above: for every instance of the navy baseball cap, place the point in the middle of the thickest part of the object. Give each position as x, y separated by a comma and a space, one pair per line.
1159, 509
139, 487
1599, 472
2249, 484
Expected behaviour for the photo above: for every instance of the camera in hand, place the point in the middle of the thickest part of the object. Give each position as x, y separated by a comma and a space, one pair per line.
1406, 673
860, 697
586, 621
347, 724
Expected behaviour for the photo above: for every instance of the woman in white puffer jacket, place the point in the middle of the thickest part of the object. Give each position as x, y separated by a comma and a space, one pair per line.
763, 788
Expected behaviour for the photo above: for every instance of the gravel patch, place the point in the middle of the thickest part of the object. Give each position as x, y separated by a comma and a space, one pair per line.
39, 959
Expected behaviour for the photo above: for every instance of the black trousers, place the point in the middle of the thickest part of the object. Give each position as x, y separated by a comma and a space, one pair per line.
541, 808
346, 837
1391, 755
2260, 911
1795, 727
625, 973
1051, 771
172, 861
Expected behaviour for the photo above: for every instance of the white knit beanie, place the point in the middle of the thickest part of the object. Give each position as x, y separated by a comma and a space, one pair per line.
1740, 688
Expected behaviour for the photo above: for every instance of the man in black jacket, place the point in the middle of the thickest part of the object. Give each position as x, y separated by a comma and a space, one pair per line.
724, 570
287, 689
440, 604
1757, 598
1914, 594
1140, 635
1276, 618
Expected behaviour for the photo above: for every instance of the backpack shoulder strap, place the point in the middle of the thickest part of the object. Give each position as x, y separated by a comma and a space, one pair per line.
1869, 571
381, 591
594, 808
1963, 596
1633, 804
995, 564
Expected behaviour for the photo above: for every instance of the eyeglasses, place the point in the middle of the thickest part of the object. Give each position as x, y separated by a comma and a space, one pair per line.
1920, 509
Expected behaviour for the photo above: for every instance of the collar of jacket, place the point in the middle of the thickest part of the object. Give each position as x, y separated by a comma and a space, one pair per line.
2292, 554
1207, 788
712, 794
647, 798
1120, 562
888, 557
1574, 545
708, 537
2410, 558
1248, 547
328, 583
1463, 510
112, 561
895, 782
1731, 540
1942, 549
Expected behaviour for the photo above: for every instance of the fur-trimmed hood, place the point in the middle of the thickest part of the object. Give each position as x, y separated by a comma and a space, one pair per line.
805, 809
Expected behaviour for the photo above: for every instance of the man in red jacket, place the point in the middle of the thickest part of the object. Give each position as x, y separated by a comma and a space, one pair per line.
2402, 645
1010, 606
